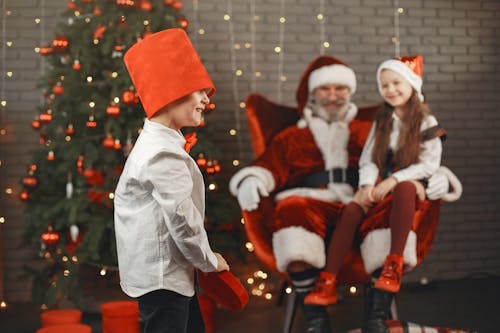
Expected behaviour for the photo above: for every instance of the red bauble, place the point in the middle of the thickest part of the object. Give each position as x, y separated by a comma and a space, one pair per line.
30, 181
113, 110
145, 5
36, 124
51, 156
177, 5
70, 130
97, 11
125, 3
217, 167
183, 22
129, 97
108, 141
58, 89
93, 177
46, 50
46, 117
201, 161
50, 237
117, 145
71, 5
79, 163
24, 195
210, 168
60, 43
76, 65
99, 32
168, 2
91, 123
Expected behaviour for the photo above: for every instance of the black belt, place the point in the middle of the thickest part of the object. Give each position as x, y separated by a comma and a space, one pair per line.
336, 175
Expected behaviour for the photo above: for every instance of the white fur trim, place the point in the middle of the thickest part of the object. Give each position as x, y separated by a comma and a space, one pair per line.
256, 171
298, 244
334, 193
334, 74
403, 70
455, 184
377, 244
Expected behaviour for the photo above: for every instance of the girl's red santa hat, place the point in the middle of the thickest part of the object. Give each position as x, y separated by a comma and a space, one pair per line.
410, 68
165, 67
324, 70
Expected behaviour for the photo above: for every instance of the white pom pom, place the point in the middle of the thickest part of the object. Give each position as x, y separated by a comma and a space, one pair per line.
69, 190
73, 232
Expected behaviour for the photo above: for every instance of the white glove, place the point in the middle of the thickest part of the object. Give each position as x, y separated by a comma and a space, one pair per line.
439, 185
248, 193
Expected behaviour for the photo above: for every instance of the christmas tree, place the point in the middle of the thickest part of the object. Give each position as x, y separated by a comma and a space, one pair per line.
88, 122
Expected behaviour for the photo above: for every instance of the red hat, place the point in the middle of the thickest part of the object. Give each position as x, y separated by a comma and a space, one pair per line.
165, 67
410, 68
324, 69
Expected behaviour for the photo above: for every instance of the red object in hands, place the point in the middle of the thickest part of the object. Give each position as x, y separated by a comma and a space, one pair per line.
191, 140
224, 288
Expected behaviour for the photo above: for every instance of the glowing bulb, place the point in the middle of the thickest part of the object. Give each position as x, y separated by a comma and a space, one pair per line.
3, 304
237, 46
74, 258
37, 49
9, 43
37, 20
249, 247
401, 10
258, 74
65, 259
9, 74
114, 75
250, 280
103, 271
87, 19
268, 296
277, 49
288, 290
77, 13
242, 105
66, 272
89, 79
146, 22
320, 17
227, 17
96, 41
8, 191
353, 289
248, 45
116, 99
201, 31
212, 187
91, 104
242, 220
232, 132
282, 19
239, 72
326, 44
111, 196
236, 162
2, 219
3, 103
67, 138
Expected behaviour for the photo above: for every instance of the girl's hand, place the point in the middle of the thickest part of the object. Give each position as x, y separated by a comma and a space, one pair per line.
364, 196
221, 263
383, 188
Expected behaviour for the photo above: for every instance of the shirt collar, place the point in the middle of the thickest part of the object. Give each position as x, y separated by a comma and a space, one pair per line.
166, 133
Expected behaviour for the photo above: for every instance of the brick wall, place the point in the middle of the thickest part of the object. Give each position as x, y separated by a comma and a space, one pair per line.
460, 41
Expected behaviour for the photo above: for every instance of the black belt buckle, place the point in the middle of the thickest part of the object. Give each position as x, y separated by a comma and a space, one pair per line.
337, 175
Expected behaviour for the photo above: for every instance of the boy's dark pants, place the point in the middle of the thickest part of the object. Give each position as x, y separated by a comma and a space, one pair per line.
165, 311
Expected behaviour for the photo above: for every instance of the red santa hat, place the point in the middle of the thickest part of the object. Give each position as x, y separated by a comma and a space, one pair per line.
410, 68
165, 67
323, 70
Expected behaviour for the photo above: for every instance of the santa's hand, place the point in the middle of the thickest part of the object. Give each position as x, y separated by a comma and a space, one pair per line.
249, 191
439, 185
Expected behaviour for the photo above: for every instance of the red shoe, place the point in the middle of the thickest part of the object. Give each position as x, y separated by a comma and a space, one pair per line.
324, 292
390, 278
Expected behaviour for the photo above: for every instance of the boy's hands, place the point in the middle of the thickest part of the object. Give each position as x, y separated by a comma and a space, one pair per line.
221, 263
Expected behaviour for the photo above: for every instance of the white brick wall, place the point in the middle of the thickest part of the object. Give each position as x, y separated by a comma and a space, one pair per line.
460, 41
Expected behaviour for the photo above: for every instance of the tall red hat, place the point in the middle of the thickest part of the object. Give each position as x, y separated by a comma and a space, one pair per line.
165, 67
324, 69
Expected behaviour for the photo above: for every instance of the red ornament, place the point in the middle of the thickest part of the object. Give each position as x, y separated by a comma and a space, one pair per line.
183, 22
43, 138
33, 167
71, 5
46, 50
60, 43
93, 177
99, 32
70, 130
201, 161
125, 3
76, 65
46, 117
91, 123
145, 5
177, 5
51, 156
113, 110
117, 145
79, 163
217, 167
30, 181
50, 237
97, 11
108, 141
58, 89
24, 195
129, 97
168, 2
36, 124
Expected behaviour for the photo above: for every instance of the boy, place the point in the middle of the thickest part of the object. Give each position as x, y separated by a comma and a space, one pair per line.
159, 199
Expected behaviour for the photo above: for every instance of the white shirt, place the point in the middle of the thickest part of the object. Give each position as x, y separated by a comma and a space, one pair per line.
429, 158
159, 213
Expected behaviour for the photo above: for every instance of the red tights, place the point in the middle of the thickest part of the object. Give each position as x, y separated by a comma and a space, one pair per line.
400, 222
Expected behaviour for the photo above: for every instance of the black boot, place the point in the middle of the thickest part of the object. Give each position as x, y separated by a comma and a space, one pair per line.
316, 318
377, 310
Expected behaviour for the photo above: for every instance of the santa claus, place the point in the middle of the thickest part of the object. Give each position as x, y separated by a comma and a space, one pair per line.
309, 166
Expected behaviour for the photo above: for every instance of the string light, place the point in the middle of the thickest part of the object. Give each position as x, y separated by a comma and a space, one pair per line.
397, 11
253, 57
324, 44
279, 49
3, 305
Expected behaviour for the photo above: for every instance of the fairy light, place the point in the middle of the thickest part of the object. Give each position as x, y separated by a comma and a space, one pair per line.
236, 163
280, 49
242, 221
2, 219
103, 271
232, 132
288, 290
268, 296
66, 272
324, 44
111, 196
237, 73
249, 247
253, 56
250, 280
397, 11
3, 305
353, 290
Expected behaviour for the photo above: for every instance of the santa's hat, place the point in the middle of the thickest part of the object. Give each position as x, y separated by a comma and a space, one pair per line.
323, 70
410, 68
165, 67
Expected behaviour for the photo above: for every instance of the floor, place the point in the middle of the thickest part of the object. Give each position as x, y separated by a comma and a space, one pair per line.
472, 304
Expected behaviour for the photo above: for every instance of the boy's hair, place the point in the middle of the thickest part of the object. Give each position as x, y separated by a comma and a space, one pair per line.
408, 147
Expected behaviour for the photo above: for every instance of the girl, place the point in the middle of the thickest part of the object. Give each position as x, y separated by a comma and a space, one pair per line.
403, 148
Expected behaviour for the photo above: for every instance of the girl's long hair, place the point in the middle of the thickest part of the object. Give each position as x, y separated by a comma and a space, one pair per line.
408, 147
